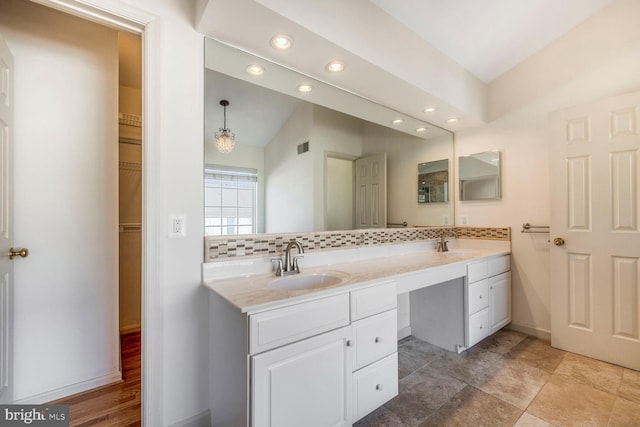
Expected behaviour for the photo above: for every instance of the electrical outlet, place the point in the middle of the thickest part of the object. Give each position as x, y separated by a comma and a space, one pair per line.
178, 226
463, 219
445, 220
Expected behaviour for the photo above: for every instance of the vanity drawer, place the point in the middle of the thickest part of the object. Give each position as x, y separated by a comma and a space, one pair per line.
478, 295
499, 265
478, 327
375, 337
373, 300
477, 271
375, 385
281, 326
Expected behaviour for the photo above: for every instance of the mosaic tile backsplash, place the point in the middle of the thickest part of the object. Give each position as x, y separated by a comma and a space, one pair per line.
255, 245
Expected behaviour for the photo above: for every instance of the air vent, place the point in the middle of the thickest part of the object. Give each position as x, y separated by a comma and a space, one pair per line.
303, 148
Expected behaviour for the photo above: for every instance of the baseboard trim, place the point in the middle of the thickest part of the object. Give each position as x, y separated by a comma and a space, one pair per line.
203, 419
70, 390
130, 329
404, 332
542, 334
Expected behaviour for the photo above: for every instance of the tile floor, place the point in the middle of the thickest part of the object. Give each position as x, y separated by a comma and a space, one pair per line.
508, 379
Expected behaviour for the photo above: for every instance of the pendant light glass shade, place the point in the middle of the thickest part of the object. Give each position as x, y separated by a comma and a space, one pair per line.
224, 138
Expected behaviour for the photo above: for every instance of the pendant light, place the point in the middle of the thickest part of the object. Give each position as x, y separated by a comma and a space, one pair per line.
225, 139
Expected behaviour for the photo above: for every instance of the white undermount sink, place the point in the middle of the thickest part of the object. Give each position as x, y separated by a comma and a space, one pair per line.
308, 281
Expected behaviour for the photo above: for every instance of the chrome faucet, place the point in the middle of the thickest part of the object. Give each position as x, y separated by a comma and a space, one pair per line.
290, 264
442, 243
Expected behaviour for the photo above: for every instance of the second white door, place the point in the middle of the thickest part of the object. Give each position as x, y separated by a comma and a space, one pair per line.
595, 230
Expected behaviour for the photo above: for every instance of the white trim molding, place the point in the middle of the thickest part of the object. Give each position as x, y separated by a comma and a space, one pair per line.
124, 17
542, 334
69, 390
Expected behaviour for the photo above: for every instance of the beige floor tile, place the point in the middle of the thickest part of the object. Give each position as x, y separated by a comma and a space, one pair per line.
625, 413
420, 350
591, 372
467, 365
538, 353
502, 341
473, 407
408, 364
513, 381
630, 386
528, 420
421, 393
381, 417
566, 403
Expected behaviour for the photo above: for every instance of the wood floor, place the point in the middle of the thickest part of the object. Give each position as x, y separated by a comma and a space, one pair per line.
114, 405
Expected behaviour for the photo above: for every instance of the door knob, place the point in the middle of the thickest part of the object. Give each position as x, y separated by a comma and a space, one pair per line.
24, 252
558, 241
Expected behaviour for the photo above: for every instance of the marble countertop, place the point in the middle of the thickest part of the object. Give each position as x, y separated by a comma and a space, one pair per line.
252, 293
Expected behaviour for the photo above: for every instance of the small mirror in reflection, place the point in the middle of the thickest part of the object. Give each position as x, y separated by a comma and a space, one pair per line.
433, 179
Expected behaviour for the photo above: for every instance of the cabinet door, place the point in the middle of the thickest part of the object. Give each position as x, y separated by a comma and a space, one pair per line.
307, 383
500, 301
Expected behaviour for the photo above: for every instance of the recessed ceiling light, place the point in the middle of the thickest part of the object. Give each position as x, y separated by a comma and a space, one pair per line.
335, 66
304, 88
430, 109
452, 120
254, 70
397, 121
281, 41
421, 129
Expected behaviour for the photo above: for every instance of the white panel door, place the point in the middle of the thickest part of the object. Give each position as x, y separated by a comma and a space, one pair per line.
65, 202
6, 223
371, 191
595, 267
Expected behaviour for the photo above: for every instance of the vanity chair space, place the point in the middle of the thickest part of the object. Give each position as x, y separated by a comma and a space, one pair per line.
319, 348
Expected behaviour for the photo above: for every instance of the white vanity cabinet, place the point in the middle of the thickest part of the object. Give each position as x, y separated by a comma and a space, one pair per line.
487, 298
327, 361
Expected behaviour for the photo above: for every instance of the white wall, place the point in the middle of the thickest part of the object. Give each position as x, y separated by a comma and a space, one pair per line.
339, 194
599, 58
66, 200
289, 176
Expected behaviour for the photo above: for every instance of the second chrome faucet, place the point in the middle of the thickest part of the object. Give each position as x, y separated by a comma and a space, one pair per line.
290, 264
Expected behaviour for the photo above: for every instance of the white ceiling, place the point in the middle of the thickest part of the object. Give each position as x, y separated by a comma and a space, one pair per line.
489, 37
402, 54
254, 114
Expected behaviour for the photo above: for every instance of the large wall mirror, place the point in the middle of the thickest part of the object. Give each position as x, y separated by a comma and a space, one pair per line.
303, 160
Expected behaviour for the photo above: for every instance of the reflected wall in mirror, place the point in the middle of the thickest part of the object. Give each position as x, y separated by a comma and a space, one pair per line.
433, 182
479, 176
301, 149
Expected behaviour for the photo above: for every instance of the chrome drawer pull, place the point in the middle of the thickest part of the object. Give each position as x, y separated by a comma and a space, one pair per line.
379, 387
378, 340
